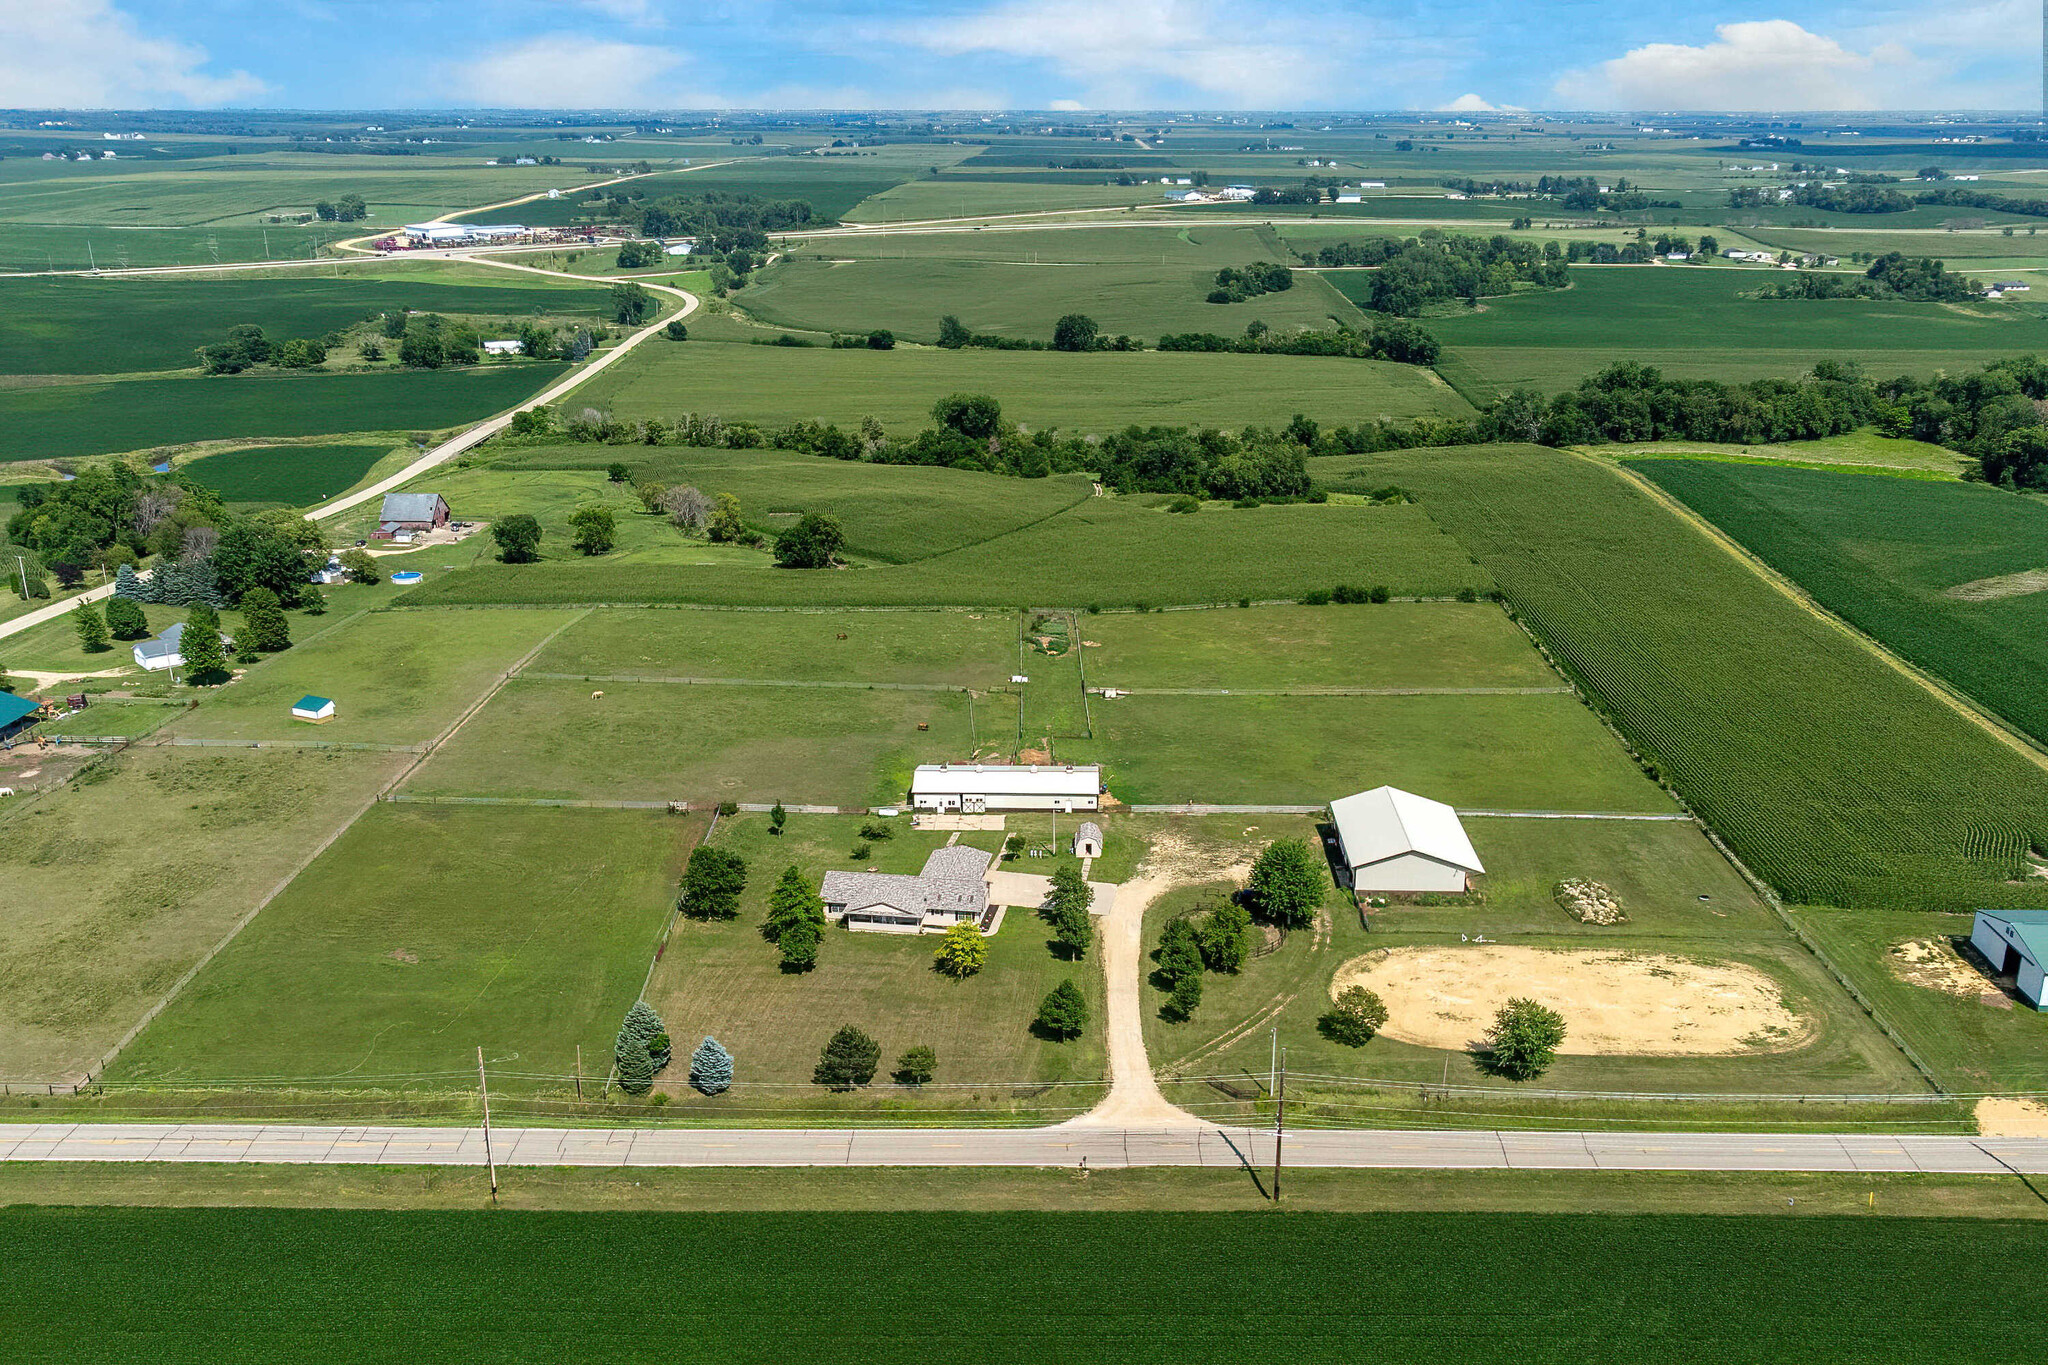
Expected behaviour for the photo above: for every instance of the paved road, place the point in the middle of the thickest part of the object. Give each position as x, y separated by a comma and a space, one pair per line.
1103, 1147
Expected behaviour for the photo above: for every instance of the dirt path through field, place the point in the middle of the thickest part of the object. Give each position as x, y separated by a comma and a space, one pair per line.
1615, 1003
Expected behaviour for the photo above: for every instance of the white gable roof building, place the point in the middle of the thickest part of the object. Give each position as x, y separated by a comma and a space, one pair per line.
978, 787
1395, 842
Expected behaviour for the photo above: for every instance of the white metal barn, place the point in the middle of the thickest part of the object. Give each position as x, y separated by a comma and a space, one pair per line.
973, 788
1395, 841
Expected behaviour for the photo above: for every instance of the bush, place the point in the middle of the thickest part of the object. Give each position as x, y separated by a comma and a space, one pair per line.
877, 830
963, 950
881, 339
1064, 1011
1524, 1039
711, 1068
860, 851
1185, 997
1468, 594
916, 1066
1355, 1018
1184, 503
849, 1060
1381, 593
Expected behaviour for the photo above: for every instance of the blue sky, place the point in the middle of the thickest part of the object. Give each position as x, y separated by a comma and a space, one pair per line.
1036, 54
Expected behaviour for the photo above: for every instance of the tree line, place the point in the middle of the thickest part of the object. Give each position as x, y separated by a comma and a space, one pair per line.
1437, 267
1893, 275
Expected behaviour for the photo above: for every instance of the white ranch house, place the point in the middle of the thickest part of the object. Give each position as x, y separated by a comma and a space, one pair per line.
1397, 842
952, 887
973, 788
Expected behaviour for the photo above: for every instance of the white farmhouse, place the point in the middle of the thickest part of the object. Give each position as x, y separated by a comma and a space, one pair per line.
973, 788
952, 887
1395, 841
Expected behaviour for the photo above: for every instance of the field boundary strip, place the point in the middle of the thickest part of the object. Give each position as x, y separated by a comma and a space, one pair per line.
756, 682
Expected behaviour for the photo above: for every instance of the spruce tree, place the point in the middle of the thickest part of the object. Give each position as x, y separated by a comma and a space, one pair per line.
125, 618
711, 1068
849, 1060
635, 1066
206, 662
263, 621
128, 584
641, 1022
792, 902
916, 1066
91, 627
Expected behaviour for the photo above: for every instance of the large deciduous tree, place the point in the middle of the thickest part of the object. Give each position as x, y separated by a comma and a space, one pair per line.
1287, 883
1523, 1039
712, 883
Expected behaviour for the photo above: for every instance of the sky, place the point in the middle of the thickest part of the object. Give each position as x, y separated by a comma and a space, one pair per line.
1020, 54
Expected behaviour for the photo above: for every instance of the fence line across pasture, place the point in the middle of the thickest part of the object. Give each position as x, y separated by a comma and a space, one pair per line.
753, 682
193, 742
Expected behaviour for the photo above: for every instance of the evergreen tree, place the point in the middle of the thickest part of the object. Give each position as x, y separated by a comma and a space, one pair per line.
712, 884
206, 660
849, 1060
963, 950
1064, 1011
800, 946
917, 1066
263, 621
777, 818
128, 584
640, 1033
125, 617
91, 627
711, 1068
791, 903
641, 1022
634, 1065
1287, 883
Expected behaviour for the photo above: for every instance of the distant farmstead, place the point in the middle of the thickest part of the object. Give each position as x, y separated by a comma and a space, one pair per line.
952, 887
505, 346
1397, 842
407, 514
973, 788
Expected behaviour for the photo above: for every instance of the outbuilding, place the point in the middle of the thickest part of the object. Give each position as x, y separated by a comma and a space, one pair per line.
16, 714
163, 652
1088, 840
1396, 842
973, 788
505, 346
411, 512
2015, 943
315, 709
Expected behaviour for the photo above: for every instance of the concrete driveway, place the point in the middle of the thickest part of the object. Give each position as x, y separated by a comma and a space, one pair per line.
1027, 891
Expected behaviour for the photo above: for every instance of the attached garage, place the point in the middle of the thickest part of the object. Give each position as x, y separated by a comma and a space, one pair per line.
1396, 843
2015, 943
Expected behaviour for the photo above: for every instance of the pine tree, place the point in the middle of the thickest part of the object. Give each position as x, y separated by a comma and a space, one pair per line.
1064, 1011
917, 1066
263, 621
800, 946
849, 1060
125, 618
635, 1066
91, 627
206, 662
792, 902
711, 1068
777, 818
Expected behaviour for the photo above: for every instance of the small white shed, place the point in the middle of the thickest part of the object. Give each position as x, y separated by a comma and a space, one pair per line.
1088, 840
315, 709
1396, 842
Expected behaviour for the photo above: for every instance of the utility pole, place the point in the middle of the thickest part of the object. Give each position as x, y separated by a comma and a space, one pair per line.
484, 1089
579, 1073
1279, 1124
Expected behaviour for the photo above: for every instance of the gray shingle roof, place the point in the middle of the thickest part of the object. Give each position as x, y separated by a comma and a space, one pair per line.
953, 880
409, 506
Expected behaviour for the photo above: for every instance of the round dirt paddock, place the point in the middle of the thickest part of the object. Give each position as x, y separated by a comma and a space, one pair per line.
1614, 1003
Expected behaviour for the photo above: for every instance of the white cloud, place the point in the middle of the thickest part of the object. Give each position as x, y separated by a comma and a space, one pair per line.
86, 54
576, 71
1761, 64
1474, 104
1067, 106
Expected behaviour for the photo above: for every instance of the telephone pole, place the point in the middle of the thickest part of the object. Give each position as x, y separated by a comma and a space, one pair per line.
1279, 1122
484, 1089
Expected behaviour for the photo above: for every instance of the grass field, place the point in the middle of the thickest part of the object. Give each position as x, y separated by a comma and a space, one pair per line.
672, 742
957, 648
1108, 551
68, 325
55, 421
1834, 777
297, 476
1884, 553
1694, 324
1864, 449
424, 933
1497, 753
776, 385
118, 882
1395, 644
1541, 1287
394, 677
892, 513
724, 979
53, 647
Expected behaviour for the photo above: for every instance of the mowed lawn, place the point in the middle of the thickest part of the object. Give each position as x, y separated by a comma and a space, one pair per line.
397, 677
1544, 752
674, 741
53, 646
1392, 644
956, 648
116, 883
724, 979
1100, 392
425, 933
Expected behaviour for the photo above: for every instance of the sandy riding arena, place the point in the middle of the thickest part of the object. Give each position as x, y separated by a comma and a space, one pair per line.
1614, 1003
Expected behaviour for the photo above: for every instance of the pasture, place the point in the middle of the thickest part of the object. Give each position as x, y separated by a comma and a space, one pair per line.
65, 420
1100, 392
1697, 325
678, 742
396, 677
53, 647
1111, 551
1837, 779
117, 882
69, 325
294, 475
424, 933
1896, 558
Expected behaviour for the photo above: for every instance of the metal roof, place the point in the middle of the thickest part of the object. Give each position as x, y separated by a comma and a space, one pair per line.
2030, 927
409, 506
956, 779
310, 703
1387, 822
13, 708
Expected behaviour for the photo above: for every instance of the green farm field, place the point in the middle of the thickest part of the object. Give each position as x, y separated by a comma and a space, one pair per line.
1698, 326
424, 933
483, 1285
62, 420
955, 648
395, 677
117, 882
68, 325
775, 385
1112, 551
1888, 556
294, 475
1543, 752
892, 513
1865, 450
1391, 645
1193, 246
918, 200
677, 742
1836, 778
